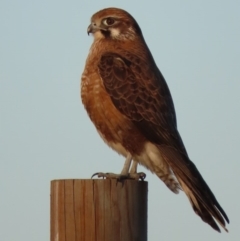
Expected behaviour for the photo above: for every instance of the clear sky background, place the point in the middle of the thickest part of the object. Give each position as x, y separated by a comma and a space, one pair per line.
46, 134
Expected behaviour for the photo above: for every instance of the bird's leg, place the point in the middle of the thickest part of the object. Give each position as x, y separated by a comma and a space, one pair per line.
134, 167
126, 165
133, 172
125, 174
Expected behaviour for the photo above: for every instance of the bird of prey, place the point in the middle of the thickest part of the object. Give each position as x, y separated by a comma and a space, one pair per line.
130, 104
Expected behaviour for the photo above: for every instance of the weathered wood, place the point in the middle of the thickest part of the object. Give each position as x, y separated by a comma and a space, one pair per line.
98, 210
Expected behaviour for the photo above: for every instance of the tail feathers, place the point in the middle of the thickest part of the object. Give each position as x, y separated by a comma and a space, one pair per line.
199, 194
203, 212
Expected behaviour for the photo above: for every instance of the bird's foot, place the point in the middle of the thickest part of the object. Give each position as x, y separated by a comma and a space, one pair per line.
133, 176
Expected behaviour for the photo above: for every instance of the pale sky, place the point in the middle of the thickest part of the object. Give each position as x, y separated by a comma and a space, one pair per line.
45, 133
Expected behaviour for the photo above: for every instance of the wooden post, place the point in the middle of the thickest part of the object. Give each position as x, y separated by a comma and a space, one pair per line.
98, 210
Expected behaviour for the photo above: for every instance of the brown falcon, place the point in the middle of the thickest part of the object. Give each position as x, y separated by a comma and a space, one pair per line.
129, 102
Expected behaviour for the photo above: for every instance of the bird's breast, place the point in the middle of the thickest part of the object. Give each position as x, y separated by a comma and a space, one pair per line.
115, 128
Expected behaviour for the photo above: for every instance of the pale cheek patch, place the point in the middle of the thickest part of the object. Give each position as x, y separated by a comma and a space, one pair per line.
115, 33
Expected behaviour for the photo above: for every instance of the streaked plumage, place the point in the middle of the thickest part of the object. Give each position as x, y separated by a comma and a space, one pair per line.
130, 104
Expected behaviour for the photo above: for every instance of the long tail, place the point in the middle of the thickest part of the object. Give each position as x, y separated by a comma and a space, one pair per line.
199, 194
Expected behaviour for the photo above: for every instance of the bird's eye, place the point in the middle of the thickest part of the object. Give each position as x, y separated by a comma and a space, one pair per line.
109, 21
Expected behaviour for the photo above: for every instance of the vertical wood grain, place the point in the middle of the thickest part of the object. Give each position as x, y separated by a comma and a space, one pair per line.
98, 210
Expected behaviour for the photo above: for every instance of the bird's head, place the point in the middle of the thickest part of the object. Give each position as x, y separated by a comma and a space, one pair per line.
114, 23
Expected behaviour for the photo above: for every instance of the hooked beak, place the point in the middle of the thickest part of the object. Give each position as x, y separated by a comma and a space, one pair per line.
93, 28
90, 29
